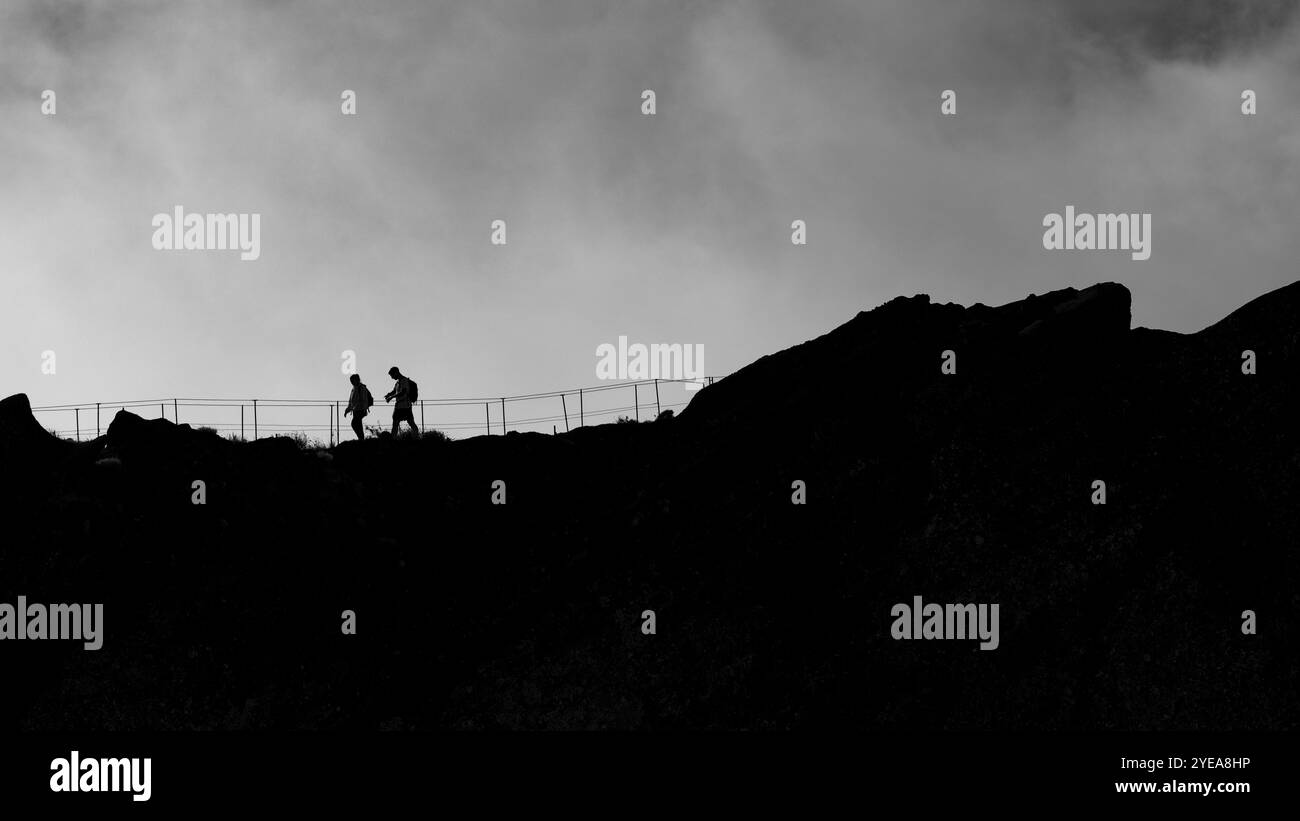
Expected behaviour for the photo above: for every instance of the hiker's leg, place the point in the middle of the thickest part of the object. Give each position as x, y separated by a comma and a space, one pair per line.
408, 416
356, 427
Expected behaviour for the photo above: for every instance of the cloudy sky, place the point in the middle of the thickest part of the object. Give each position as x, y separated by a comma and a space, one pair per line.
671, 228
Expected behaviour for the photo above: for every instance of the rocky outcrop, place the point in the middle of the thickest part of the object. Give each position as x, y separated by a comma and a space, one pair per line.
975, 486
24, 444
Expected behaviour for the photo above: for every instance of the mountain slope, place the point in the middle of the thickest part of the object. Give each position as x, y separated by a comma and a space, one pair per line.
975, 486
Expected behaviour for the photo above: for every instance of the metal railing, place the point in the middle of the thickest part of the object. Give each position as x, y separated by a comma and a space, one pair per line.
454, 417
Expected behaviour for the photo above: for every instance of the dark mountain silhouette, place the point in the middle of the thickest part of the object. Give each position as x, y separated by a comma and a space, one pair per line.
971, 487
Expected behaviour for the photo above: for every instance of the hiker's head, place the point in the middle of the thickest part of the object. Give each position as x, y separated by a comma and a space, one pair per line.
354, 379
394, 372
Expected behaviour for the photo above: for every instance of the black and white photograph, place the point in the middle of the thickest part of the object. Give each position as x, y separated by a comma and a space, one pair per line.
429, 403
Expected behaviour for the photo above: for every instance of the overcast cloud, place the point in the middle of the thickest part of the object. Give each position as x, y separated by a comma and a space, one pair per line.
671, 228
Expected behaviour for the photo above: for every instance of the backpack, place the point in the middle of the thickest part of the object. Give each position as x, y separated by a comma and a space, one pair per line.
368, 402
412, 390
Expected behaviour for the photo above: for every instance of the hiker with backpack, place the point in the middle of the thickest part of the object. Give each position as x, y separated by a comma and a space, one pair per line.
358, 404
405, 392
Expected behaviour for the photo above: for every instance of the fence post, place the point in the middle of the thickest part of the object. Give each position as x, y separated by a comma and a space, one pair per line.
78, 410
254, 418
162, 411
176, 414
487, 415
330, 409
636, 402
503, 416
338, 425
241, 422
582, 421
657, 410
565, 406
97, 434
421, 416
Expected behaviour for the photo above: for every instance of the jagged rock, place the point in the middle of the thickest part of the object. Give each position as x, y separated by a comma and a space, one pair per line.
23, 442
128, 429
971, 487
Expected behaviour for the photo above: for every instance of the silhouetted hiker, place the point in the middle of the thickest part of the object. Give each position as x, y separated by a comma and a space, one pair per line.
404, 392
358, 404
